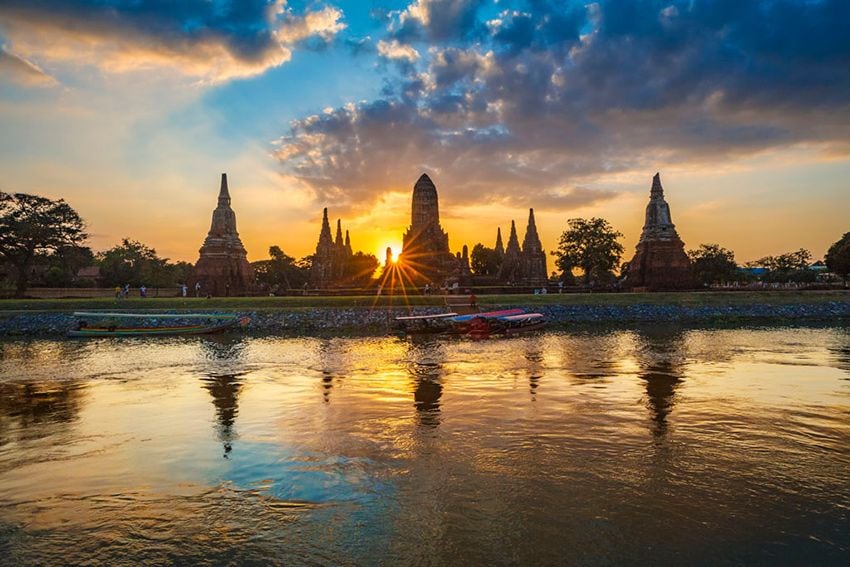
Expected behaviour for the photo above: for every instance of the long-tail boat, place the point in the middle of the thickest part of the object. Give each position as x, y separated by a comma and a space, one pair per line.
447, 323
507, 325
212, 323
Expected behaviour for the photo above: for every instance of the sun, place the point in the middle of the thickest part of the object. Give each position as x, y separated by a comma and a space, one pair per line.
395, 252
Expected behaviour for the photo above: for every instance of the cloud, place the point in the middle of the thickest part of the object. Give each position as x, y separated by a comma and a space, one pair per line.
555, 95
437, 20
210, 41
23, 72
395, 50
324, 23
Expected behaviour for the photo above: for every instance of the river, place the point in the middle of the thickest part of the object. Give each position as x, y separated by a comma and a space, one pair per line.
590, 447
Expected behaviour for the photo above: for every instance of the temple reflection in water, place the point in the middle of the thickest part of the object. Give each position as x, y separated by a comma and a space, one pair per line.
660, 353
225, 387
425, 360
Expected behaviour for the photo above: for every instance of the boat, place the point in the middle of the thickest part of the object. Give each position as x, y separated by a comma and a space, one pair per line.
507, 325
446, 323
488, 315
462, 324
525, 323
213, 323
426, 324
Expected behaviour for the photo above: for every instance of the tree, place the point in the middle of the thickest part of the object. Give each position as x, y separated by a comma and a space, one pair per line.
31, 225
181, 271
791, 266
281, 271
838, 257
131, 262
64, 263
485, 261
711, 263
591, 246
360, 268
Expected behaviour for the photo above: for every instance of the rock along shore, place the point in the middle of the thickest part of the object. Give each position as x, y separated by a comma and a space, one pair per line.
323, 320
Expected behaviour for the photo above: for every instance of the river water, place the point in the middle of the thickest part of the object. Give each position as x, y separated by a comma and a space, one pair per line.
663, 446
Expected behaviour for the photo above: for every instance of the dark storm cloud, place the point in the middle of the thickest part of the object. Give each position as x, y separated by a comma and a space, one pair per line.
558, 94
213, 39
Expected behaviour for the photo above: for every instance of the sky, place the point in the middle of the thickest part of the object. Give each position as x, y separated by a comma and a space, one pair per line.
130, 110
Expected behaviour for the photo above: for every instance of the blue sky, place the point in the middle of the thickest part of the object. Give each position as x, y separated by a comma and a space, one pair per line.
130, 110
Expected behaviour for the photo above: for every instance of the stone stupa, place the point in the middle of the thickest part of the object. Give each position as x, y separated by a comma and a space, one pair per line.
223, 268
660, 262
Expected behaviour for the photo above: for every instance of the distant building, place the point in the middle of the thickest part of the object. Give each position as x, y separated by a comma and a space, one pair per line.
425, 250
511, 268
223, 268
332, 256
462, 271
533, 270
499, 248
660, 261
89, 274
525, 265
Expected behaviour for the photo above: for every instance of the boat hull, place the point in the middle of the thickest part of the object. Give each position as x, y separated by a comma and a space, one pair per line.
150, 331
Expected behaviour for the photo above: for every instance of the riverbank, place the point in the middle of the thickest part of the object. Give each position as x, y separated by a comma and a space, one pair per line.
368, 314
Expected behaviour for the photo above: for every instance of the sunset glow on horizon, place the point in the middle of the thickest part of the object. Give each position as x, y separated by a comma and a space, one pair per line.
131, 113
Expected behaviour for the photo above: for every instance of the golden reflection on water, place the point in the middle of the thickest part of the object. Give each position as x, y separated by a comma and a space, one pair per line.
439, 449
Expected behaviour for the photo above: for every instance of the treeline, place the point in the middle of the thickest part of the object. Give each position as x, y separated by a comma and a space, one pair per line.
282, 272
589, 253
42, 243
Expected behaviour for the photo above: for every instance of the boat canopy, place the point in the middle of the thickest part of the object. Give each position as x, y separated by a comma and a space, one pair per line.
156, 315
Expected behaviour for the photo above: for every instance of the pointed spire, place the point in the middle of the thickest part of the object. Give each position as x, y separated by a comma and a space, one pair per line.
338, 240
656, 186
389, 259
531, 242
348, 249
513, 241
424, 183
325, 234
223, 263
500, 248
658, 223
223, 193
425, 208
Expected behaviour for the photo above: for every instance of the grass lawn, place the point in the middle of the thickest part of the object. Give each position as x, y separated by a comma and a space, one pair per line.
369, 301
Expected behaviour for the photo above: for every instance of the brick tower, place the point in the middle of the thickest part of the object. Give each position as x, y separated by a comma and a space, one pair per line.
511, 270
533, 257
223, 268
660, 261
425, 246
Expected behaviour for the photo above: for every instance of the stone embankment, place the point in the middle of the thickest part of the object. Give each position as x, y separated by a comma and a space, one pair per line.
322, 320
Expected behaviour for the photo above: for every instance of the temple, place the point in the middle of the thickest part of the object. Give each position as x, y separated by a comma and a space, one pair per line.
425, 246
499, 248
511, 269
533, 257
660, 261
223, 268
525, 265
332, 256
